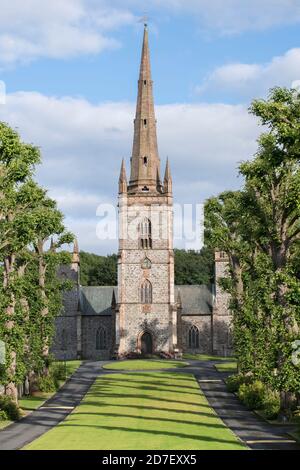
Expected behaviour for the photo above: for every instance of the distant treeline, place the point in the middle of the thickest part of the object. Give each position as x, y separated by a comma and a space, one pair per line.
191, 267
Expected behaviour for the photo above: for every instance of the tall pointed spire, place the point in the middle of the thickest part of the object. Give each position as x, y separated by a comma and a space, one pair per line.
75, 254
145, 160
168, 179
122, 179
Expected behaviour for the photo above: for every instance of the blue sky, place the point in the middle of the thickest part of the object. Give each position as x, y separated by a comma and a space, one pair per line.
182, 57
71, 67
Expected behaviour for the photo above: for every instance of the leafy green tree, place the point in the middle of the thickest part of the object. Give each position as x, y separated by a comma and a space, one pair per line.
48, 221
258, 227
96, 270
30, 294
194, 267
17, 162
191, 267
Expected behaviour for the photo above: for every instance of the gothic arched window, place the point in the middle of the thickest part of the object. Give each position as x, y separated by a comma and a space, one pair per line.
146, 292
193, 338
145, 239
63, 340
101, 340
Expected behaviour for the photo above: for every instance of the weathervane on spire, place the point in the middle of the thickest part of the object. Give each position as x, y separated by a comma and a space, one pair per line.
144, 19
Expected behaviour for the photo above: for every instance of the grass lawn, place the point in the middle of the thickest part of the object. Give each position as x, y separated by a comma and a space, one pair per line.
227, 367
4, 423
144, 364
295, 435
206, 357
71, 367
142, 410
33, 402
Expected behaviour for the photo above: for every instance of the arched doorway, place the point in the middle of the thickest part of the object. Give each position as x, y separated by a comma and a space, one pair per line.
146, 343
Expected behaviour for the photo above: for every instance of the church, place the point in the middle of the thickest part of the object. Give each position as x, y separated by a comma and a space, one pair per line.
146, 313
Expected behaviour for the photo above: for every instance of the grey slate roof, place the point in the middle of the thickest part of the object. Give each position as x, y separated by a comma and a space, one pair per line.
96, 300
196, 300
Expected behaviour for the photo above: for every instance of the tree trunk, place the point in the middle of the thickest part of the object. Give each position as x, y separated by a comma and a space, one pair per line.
45, 309
11, 388
287, 400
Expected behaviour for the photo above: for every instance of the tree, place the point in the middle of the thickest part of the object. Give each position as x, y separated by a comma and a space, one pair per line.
96, 270
17, 162
259, 229
30, 292
194, 267
48, 221
191, 267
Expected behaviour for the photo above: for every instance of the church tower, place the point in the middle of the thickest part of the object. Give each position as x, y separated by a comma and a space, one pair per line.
146, 316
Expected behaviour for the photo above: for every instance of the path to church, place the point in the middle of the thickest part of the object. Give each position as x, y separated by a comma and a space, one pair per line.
256, 433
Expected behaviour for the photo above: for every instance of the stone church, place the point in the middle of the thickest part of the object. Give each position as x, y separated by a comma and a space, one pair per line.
146, 313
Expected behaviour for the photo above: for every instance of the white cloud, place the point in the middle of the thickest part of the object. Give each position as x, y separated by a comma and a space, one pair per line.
83, 144
35, 29
32, 29
247, 80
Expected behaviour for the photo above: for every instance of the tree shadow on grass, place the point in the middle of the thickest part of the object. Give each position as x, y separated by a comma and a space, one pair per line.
153, 418
150, 388
164, 375
197, 437
153, 408
153, 382
104, 394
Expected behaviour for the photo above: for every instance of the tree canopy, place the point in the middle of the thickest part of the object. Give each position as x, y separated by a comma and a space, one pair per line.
31, 236
191, 267
259, 229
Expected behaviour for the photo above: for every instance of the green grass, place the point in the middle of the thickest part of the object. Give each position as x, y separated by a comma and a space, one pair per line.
227, 367
206, 357
4, 423
33, 402
71, 367
145, 364
295, 435
142, 410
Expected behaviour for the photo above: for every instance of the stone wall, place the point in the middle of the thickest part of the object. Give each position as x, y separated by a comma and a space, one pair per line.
203, 323
222, 335
65, 339
222, 331
156, 322
65, 342
90, 325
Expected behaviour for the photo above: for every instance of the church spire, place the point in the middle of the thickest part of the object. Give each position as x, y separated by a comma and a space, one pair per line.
168, 179
75, 255
122, 179
145, 160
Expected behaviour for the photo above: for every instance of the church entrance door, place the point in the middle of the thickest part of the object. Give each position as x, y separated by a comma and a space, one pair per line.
146, 343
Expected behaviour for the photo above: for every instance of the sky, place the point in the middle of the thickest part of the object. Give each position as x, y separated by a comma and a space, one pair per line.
70, 69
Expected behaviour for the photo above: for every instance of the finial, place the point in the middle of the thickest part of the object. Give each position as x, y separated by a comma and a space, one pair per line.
144, 20
52, 245
122, 179
167, 178
75, 254
75, 246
